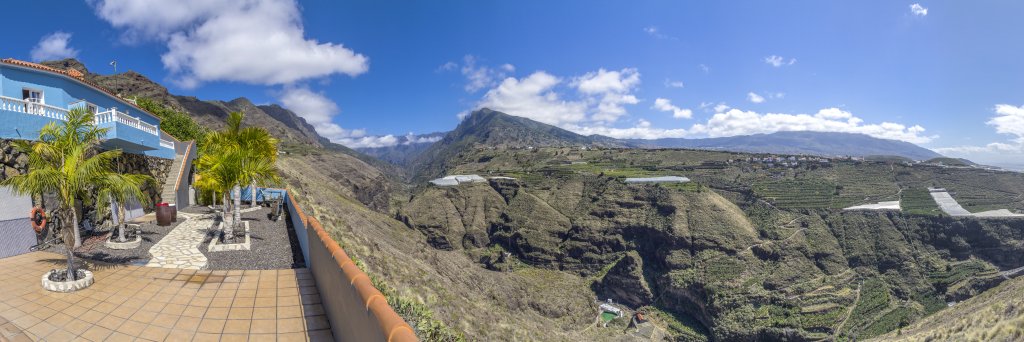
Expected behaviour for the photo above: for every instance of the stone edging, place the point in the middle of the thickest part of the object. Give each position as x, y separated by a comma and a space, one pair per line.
67, 286
216, 246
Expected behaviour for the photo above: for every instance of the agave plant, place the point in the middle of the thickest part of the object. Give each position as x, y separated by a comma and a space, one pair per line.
66, 161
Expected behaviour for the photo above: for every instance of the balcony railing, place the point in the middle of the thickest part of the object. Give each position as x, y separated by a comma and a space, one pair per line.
33, 108
113, 115
166, 143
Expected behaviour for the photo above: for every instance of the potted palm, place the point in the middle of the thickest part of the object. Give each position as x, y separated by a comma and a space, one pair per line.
113, 193
233, 158
66, 161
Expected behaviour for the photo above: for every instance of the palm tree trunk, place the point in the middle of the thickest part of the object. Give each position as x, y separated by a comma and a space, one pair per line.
78, 242
74, 227
237, 217
124, 223
252, 191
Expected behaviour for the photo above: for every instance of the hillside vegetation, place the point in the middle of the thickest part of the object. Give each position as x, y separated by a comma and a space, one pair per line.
995, 315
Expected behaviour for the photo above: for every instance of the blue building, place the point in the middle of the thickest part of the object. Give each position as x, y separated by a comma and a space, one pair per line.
33, 95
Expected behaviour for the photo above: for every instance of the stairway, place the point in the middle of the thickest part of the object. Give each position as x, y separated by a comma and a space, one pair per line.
167, 194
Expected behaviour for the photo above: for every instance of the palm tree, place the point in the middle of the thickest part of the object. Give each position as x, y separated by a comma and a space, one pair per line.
234, 157
118, 190
66, 161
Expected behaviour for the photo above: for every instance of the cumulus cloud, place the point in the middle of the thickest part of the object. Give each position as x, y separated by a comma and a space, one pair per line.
319, 111
611, 90
918, 10
53, 46
581, 105
249, 41
753, 97
779, 61
534, 97
673, 84
1009, 119
738, 122
666, 105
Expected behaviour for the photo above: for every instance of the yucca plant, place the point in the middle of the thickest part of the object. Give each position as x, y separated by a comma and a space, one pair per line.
66, 161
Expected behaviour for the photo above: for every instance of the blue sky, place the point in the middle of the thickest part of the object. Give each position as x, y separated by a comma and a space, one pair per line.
943, 74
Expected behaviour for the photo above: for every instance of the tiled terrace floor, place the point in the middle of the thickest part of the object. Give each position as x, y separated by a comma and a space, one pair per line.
158, 304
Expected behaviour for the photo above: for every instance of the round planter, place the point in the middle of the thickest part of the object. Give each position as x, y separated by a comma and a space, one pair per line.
130, 244
67, 286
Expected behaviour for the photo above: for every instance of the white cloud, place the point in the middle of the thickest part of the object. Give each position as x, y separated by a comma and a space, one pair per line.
534, 97
642, 130
673, 84
53, 46
706, 69
666, 105
753, 97
738, 122
414, 139
918, 10
779, 61
478, 76
611, 90
1009, 119
447, 66
582, 107
249, 41
319, 111
653, 31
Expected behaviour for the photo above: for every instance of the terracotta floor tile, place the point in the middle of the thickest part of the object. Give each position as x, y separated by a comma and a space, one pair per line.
155, 333
132, 328
260, 326
237, 326
187, 323
165, 320
119, 337
234, 338
96, 333
213, 326
180, 336
205, 337
289, 325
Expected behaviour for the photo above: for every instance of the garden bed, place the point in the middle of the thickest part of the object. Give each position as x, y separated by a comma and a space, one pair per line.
94, 248
273, 245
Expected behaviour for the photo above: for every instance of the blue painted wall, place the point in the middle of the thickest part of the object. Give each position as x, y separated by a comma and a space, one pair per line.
60, 92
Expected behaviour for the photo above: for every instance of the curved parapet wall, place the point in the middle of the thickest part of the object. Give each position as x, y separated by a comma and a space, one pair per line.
356, 310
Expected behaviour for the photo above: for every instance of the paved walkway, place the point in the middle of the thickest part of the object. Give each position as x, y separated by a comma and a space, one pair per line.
180, 248
159, 304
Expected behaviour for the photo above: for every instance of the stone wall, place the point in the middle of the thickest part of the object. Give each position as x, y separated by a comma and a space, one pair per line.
13, 162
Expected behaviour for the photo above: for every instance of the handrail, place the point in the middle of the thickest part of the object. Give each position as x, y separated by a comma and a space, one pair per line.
392, 326
181, 169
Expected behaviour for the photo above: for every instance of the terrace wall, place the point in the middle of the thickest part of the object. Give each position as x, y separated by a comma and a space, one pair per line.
356, 310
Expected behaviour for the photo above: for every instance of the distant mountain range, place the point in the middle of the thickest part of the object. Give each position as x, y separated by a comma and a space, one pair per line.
802, 142
487, 127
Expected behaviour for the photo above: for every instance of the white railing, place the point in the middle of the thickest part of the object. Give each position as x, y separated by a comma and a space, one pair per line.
166, 143
123, 118
30, 107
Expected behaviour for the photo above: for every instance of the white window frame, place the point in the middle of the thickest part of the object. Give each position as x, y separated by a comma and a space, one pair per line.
42, 94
